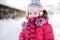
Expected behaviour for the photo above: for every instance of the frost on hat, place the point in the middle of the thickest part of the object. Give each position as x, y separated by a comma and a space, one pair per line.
35, 4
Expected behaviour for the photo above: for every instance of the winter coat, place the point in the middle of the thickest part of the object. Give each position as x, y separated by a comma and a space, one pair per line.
43, 31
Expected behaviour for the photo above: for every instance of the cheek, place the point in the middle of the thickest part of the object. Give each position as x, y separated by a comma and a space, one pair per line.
30, 16
41, 13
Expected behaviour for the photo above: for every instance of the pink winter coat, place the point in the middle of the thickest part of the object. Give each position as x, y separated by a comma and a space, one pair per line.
43, 32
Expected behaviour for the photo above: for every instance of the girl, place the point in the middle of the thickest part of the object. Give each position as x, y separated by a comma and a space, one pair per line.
37, 26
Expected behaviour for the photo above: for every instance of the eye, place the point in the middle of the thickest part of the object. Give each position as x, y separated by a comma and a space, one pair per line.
35, 13
30, 13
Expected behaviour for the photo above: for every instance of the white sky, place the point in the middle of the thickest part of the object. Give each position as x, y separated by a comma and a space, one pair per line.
22, 4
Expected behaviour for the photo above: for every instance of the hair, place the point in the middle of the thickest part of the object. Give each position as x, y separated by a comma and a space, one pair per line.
44, 14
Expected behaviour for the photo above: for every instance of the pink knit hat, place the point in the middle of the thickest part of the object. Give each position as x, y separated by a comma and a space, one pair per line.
35, 5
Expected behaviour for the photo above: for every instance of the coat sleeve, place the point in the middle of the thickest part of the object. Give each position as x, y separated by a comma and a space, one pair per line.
22, 35
48, 32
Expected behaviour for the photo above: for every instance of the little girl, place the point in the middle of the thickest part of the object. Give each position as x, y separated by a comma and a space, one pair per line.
37, 26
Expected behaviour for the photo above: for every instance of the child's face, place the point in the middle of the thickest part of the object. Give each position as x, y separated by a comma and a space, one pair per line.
35, 13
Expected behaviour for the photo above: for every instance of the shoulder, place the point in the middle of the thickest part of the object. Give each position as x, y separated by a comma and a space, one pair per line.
47, 25
40, 21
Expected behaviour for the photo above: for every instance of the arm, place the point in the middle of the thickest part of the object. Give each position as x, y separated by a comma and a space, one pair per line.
22, 35
48, 32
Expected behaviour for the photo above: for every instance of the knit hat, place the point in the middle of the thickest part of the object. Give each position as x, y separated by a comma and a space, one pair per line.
35, 5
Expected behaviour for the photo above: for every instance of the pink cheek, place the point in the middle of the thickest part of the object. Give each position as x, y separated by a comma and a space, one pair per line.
30, 16
41, 13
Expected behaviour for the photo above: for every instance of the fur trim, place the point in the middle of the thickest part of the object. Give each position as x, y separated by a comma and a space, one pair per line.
24, 24
40, 22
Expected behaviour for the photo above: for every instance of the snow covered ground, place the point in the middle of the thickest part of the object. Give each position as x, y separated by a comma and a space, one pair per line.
10, 28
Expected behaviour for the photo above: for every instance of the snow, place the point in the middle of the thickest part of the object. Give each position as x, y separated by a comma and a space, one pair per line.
10, 29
